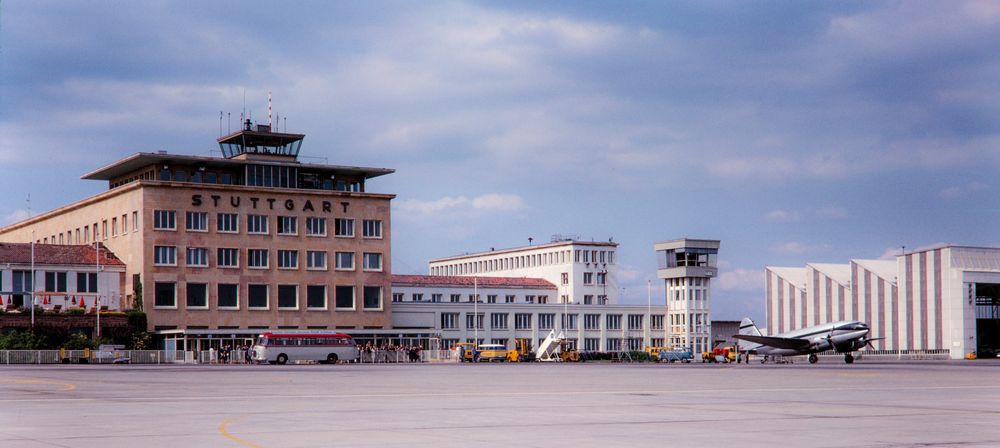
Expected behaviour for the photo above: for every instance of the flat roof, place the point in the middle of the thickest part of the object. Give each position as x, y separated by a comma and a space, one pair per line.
463, 281
526, 248
693, 243
143, 159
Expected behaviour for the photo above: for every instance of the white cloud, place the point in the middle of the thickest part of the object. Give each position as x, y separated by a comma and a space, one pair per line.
628, 274
797, 248
782, 216
498, 202
15, 216
429, 207
741, 280
832, 212
450, 205
892, 252
959, 191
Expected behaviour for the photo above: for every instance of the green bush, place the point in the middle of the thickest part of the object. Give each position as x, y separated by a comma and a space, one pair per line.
22, 341
639, 356
79, 341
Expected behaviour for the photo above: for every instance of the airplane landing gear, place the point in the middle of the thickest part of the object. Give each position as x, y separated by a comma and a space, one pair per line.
813, 358
849, 358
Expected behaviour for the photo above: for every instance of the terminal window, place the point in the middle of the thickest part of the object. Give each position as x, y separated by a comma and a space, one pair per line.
229, 295
372, 228
197, 295
344, 227
228, 222
196, 221
55, 281
316, 296
345, 297
257, 296
316, 226
162, 220
288, 296
164, 294
373, 297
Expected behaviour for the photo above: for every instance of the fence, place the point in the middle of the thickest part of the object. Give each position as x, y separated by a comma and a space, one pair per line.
238, 356
91, 357
880, 355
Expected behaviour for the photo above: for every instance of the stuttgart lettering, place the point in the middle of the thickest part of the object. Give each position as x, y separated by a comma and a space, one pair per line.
269, 203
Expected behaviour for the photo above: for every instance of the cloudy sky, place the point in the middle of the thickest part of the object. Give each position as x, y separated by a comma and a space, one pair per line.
792, 131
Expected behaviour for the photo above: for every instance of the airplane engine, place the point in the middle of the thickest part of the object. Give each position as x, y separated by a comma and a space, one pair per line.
850, 346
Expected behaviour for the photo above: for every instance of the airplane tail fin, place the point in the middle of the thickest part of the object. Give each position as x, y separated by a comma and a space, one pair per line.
748, 328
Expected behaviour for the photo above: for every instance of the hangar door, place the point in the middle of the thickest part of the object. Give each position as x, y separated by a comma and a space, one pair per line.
987, 319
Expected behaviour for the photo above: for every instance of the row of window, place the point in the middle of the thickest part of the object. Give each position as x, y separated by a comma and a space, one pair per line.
229, 296
588, 299
260, 224
546, 321
589, 344
226, 257
55, 281
588, 278
87, 234
556, 257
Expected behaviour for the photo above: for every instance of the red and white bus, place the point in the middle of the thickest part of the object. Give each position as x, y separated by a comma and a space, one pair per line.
325, 347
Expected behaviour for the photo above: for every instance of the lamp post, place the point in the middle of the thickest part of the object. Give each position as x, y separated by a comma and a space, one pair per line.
97, 276
33, 289
649, 313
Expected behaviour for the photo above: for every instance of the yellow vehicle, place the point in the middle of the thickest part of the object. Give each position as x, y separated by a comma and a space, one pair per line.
467, 351
522, 351
492, 352
719, 354
567, 352
654, 352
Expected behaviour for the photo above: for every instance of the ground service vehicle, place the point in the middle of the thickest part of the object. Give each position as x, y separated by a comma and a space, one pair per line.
281, 347
654, 352
522, 351
682, 355
492, 352
567, 352
720, 355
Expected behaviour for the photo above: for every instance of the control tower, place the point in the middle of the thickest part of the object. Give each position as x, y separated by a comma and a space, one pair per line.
687, 267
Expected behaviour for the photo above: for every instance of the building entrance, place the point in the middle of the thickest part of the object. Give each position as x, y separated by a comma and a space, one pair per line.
987, 319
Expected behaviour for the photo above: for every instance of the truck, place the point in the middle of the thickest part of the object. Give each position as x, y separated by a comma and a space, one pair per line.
522, 351
720, 355
675, 355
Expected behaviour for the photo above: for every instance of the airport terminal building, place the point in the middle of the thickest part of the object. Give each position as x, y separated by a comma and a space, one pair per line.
940, 300
252, 240
498, 310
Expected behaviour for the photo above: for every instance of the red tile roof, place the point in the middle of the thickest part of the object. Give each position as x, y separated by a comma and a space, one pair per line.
20, 253
486, 282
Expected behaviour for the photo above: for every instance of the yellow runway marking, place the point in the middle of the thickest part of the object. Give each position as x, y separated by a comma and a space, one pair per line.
65, 386
225, 433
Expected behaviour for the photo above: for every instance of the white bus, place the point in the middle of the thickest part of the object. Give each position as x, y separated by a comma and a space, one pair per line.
325, 347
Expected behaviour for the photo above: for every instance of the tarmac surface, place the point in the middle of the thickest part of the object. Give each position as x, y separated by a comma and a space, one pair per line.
867, 404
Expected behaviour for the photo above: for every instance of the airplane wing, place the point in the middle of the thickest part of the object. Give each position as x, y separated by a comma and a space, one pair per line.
776, 342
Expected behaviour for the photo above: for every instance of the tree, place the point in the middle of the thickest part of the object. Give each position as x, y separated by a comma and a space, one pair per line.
137, 300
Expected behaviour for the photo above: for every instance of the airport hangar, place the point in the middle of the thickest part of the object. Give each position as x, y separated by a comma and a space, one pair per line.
944, 299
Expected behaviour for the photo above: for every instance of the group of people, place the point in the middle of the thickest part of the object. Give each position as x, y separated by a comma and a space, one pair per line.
225, 354
370, 352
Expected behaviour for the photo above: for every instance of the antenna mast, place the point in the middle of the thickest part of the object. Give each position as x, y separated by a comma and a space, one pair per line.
268, 109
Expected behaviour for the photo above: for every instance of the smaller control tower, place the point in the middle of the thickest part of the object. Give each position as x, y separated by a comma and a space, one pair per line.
687, 267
